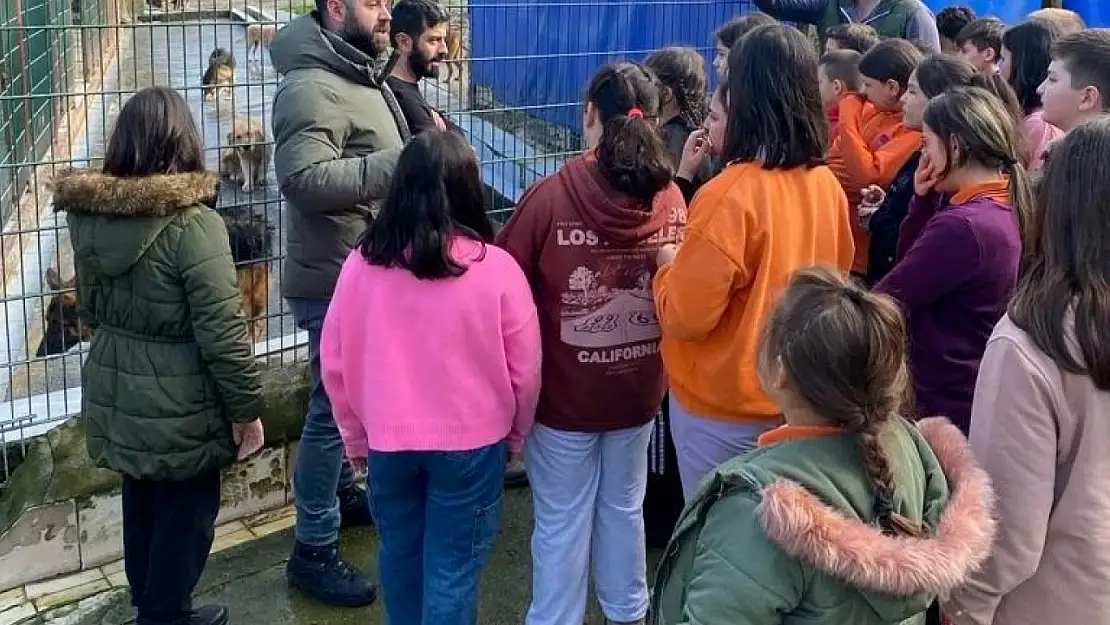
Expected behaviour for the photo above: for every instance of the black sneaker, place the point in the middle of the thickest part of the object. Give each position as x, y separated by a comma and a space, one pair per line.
354, 509
320, 573
208, 615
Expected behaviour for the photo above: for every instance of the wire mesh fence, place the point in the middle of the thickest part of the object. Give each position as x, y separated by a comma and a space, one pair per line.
66, 67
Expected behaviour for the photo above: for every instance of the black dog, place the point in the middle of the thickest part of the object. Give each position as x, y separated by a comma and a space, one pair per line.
220, 75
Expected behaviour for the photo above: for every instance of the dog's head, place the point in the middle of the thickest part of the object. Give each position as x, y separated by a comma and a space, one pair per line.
66, 325
221, 56
246, 133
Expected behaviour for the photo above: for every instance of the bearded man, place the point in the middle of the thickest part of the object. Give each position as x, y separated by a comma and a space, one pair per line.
419, 34
338, 132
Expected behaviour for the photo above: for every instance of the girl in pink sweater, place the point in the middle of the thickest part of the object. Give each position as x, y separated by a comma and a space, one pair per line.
430, 354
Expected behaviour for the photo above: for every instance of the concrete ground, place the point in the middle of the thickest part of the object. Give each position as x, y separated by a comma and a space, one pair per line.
250, 580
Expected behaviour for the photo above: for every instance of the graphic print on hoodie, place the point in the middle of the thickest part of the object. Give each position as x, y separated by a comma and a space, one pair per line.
589, 251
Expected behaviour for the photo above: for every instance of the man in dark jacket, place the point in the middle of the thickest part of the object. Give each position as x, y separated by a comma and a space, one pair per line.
338, 132
906, 19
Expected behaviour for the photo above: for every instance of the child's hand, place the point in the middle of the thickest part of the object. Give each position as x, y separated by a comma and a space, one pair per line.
666, 254
873, 195
926, 176
872, 198
693, 153
248, 437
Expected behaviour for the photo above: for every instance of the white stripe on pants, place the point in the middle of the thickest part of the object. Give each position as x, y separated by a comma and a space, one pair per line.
588, 492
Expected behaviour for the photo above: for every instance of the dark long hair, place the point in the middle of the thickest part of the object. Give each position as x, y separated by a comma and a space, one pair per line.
631, 155
843, 351
774, 105
987, 135
682, 70
735, 29
1069, 263
436, 195
154, 134
1030, 46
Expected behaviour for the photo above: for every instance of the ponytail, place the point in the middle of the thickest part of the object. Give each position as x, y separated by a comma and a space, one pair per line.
1022, 203
631, 154
633, 158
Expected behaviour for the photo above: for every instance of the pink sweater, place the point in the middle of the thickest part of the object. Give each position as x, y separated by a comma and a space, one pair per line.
1037, 134
423, 365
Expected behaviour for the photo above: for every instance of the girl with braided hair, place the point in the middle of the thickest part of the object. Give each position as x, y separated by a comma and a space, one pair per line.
684, 105
848, 513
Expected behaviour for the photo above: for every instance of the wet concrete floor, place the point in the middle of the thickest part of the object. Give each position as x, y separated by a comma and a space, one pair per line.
250, 580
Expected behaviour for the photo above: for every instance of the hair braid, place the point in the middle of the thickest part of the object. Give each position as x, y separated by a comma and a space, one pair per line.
693, 105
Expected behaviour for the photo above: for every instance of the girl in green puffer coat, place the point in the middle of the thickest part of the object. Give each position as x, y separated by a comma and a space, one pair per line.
848, 514
170, 390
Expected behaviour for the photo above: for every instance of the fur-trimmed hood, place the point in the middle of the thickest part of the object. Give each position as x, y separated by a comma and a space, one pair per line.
105, 244
882, 567
94, 192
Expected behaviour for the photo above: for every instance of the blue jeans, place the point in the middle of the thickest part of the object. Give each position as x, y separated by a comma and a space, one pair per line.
322, 470
437, 513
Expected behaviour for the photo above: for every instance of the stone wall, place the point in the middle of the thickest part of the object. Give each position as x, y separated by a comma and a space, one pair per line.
59, 514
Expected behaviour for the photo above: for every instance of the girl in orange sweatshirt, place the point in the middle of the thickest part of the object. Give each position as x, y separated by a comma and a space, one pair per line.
775, 208
872, 143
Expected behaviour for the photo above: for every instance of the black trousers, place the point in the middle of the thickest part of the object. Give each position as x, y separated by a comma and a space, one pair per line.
168, 528
663, 501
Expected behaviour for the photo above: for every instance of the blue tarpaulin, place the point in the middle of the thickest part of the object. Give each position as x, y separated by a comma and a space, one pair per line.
1095, 12
538, 55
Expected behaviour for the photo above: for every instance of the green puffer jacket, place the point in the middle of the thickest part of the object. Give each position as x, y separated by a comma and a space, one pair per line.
338, 133
171, 366
785, 534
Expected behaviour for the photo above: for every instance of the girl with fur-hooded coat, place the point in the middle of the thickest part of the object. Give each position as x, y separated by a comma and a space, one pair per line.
851, 515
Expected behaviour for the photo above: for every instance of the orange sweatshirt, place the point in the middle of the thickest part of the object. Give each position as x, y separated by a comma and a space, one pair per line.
870, 147
749, 229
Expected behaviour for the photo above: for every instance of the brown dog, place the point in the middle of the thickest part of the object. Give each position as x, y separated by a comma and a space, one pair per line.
455, 53
250, 238
259, 35
246, 154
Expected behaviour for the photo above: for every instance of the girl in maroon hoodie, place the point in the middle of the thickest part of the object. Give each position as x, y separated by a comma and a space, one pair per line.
586, 238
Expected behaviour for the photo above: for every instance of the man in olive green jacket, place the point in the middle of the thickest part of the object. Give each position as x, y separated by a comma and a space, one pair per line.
338, 133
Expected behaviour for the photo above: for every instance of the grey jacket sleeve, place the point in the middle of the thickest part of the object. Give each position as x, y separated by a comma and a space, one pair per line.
923, 26
309, 137
803, 11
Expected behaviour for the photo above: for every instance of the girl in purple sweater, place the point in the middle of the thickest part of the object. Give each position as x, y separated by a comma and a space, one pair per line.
960, 246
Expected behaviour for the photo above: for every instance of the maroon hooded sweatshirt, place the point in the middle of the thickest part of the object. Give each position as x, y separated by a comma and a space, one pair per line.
589, 253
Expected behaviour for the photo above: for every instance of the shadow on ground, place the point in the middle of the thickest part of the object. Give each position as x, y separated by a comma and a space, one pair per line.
250, 579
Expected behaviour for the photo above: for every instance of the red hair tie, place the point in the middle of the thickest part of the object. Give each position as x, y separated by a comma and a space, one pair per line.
635, 113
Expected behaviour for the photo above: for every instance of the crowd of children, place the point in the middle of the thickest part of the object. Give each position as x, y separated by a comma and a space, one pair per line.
809, 286
858, 225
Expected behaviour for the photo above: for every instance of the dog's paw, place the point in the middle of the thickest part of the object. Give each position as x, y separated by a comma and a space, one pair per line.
247, 187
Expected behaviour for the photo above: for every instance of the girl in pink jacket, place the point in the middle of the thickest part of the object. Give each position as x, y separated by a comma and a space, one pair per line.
1040, 420
430, 354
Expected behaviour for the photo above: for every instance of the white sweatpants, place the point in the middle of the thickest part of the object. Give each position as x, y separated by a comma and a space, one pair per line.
588, 491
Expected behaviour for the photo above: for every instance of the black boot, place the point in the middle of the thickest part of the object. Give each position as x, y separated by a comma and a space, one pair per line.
322, 574
354, 509
208, 615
